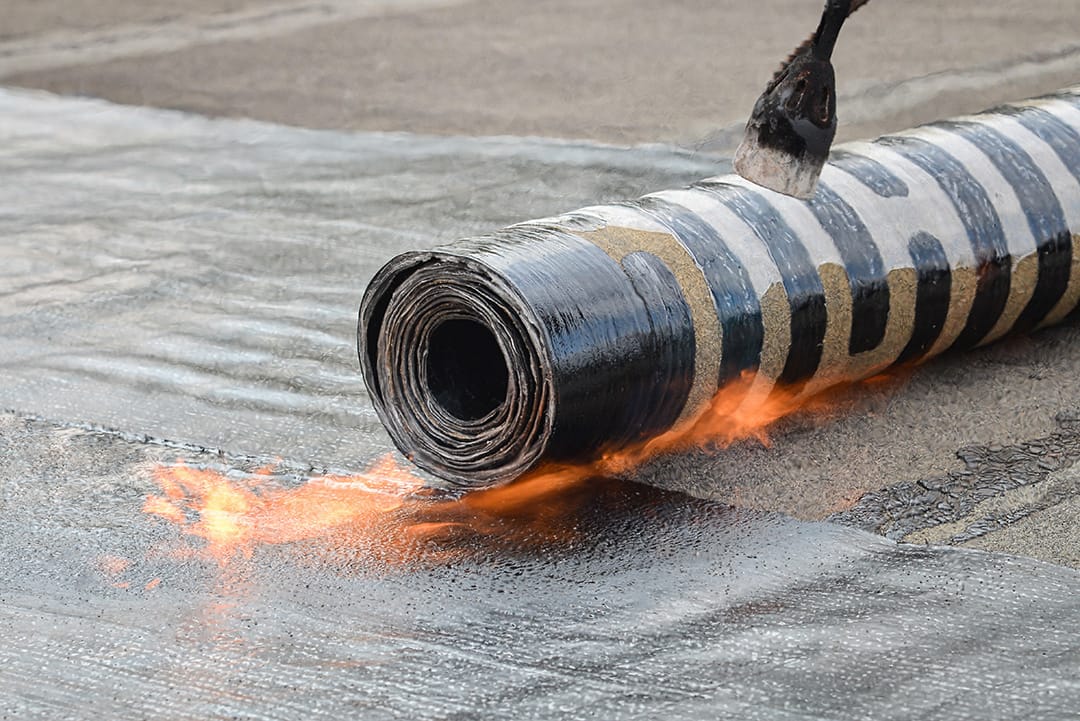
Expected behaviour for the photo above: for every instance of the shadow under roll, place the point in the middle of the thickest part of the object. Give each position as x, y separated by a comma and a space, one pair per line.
558, 339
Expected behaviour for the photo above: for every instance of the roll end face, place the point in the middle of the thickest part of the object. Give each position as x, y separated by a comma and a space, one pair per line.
434, 332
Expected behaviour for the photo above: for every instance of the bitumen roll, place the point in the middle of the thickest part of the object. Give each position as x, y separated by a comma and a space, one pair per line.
562, 338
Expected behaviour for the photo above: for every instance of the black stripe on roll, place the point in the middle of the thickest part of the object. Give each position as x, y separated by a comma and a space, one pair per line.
1059, 135
993, 263
737, 303
870, 173
671, 346
805, 292
1043, 211
629, 321
1062, 138
932, 295
864, 266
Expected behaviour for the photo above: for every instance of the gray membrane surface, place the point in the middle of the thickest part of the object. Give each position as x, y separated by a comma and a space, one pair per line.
192, 284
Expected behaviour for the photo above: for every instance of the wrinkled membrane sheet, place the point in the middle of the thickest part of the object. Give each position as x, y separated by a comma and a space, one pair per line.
193, 285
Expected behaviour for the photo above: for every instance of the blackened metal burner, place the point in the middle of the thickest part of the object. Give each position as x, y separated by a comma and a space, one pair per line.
561, 338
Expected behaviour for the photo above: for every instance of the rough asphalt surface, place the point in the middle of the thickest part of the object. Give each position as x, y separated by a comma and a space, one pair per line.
178, 288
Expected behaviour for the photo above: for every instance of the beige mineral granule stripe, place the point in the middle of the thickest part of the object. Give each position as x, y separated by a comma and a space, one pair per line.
1071, 116
1071, 299
879, 215
1018, 238
840, 305
933, 211
828, 261
764, 277
627, 231
1067, 191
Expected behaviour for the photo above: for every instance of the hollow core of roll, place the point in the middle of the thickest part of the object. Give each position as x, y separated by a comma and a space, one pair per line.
466, 370
458, 369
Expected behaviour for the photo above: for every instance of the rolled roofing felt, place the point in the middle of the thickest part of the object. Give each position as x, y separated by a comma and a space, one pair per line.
562, 338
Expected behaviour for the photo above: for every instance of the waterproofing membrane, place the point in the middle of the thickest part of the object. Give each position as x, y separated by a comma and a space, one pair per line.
562, 338
193, 283
658, 605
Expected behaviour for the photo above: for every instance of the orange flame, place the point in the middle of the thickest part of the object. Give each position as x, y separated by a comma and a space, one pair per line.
386, 514
236, 516
730, 418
